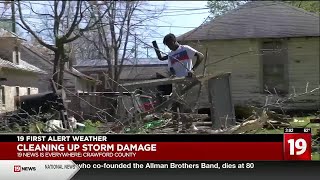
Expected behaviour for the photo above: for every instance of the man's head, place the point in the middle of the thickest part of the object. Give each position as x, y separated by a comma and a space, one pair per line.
170, 41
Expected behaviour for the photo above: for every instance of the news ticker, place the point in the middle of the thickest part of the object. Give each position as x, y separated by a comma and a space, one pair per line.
294, 144
78, 170
66, 169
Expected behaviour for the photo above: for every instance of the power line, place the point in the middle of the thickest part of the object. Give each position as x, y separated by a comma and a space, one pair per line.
155, 14
138, 25
121, 9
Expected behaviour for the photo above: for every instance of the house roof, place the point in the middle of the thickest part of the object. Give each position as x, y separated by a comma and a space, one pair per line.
127, 62
22, 66
258, 19
141, 73
8, 34
133, 69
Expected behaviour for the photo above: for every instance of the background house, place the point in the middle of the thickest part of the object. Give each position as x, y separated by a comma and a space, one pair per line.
74, 81
266, 46
133, 70
18, 77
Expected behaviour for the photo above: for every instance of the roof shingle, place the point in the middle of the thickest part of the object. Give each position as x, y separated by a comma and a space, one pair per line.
23, 66
258, 19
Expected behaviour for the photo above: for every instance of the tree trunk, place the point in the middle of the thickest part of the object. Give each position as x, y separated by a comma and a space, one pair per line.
60, 64
55, 65
61, 70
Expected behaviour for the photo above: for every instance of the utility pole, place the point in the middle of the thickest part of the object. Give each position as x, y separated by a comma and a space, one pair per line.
135, 46
13, 17
13, 24
147, 47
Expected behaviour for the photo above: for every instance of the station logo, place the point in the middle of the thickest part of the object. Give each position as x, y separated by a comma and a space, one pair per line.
18, 168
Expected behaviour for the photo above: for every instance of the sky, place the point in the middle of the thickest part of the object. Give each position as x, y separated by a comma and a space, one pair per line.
177, 15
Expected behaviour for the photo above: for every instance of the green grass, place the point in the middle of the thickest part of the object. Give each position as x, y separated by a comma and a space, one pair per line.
90, 127
315, 156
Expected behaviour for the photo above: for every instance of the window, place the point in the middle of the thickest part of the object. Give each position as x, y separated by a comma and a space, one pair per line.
274, 67
17, 91
16, 56
88, 88
29, 91
3, 97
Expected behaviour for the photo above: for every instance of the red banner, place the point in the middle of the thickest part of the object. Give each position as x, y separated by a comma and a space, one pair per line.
141, 151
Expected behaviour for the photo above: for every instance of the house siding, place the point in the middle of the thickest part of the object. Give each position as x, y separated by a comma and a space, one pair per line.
19, 78
44, 82
15, 78
245, 66
304, 69
101, 73
83, 85
10, 92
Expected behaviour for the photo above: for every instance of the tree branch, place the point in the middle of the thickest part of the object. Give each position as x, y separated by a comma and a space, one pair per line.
74, 22
27, 27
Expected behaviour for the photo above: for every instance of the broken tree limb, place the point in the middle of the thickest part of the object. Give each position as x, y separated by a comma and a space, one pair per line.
201, 84
194, 81
166, 81
275, 124
63, 109
202, 123
196, 116
169, 101
193, 116
249, 125
157, 82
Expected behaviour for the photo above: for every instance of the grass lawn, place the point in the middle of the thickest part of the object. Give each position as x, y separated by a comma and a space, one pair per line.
315, 156
91, 127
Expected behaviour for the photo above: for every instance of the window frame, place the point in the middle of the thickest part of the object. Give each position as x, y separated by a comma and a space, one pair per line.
3, 95
28, 91
284, 61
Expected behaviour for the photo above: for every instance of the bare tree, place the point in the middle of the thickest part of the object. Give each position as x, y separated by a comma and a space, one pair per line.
65, 21
111, 39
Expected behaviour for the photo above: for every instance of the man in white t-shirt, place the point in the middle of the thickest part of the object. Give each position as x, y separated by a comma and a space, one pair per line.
180, 65
180, 57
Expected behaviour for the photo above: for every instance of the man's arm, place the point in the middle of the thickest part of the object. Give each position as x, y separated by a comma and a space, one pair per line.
200, 57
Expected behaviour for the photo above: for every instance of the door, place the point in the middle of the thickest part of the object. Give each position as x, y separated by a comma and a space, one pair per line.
222, 109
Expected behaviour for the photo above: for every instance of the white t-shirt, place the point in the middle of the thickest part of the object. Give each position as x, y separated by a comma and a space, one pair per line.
184, 55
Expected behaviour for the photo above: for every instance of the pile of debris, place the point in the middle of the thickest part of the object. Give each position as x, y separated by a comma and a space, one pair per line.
162, 123
159, 120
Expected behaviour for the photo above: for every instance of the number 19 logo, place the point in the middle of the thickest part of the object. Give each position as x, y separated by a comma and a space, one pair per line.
297, 146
